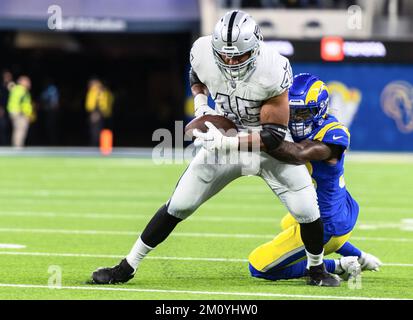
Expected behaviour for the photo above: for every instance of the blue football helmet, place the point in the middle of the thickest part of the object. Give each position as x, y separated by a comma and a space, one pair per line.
308, 99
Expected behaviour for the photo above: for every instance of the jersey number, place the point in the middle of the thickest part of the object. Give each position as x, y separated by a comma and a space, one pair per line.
246, 111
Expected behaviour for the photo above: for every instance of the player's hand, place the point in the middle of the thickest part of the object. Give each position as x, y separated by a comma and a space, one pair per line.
201, 106
369, 262
213, 139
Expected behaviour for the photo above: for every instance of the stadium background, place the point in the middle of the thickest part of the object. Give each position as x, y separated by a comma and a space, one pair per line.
140, 49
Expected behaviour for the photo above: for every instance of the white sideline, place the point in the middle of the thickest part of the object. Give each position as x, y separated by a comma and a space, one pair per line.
109, 256
180, 234
239, 294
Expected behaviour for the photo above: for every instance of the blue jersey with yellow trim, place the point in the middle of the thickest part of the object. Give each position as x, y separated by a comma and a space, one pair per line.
339, 211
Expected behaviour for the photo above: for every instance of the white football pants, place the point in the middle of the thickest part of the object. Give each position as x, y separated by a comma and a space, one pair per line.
204, 178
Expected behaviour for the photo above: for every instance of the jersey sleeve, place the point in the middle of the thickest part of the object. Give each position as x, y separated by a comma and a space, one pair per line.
194, 56
283, 75
201, 58
198, 53
338, 135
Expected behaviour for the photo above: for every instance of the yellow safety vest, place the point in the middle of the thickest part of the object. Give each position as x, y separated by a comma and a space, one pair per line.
20, 101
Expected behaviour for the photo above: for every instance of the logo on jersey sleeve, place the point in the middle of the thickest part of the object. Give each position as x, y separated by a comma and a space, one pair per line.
288, 76
337, 135
334, 133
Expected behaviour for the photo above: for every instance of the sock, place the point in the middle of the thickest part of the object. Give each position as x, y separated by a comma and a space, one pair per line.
312, 235
159, 228
349, 250
314, 259
137, 253
156, 231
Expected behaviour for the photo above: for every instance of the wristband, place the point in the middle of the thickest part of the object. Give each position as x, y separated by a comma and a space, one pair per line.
200, 100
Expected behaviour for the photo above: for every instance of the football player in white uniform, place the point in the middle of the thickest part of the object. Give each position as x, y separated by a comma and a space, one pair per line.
249, 83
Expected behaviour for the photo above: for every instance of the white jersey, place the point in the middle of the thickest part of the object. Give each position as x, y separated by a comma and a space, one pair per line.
242, 103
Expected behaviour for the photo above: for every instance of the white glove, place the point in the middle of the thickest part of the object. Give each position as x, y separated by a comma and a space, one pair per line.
201, 106
213, 139
369, 262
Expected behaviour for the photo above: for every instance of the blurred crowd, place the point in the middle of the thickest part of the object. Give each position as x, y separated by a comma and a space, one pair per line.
18, 111
302, 4
99, 105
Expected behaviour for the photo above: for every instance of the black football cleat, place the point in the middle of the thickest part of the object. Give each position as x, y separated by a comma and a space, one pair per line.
318, 276
120, 273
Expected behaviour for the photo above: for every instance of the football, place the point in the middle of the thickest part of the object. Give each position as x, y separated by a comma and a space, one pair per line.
227, 127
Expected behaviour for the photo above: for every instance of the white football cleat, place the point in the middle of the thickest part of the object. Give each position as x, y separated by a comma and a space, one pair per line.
350, 267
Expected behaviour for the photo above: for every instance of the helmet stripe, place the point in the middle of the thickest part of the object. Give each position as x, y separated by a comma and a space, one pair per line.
230, 26
314, 91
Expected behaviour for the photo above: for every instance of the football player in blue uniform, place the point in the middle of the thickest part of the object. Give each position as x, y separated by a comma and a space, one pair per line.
320, 143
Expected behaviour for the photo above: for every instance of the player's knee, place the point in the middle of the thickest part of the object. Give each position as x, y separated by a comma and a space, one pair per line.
302, 204
287, 221
254, 272
181, 209
273, 276
260, 258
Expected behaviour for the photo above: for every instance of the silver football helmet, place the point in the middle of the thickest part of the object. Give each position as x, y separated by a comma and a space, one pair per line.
234, 35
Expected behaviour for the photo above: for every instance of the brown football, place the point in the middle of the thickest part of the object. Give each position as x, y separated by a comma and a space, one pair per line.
227, 127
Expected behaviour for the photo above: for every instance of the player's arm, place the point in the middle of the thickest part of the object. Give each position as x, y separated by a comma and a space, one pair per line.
274, 117
200, 93
197, 87
305, 151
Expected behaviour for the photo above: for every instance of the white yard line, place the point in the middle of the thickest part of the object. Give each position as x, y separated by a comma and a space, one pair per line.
404, 224
11, 246
379, 157
111, 216
134, 233
194, 292
178, 234
108, 256
138, 203
382, 239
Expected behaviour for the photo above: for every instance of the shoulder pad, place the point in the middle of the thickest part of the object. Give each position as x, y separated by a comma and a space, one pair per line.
274, 71
334, 133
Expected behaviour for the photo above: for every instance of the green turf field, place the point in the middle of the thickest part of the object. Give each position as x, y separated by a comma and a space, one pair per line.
82, 213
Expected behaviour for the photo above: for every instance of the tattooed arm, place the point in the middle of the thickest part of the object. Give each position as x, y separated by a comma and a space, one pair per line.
307, 150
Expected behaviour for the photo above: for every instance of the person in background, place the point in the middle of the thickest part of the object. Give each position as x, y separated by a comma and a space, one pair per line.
20, 109
99, 103
50, 107
5, 88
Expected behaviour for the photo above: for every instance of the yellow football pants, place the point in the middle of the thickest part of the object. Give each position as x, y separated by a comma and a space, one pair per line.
286, 244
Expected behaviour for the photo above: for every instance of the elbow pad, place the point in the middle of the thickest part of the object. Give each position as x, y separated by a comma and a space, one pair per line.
272, 135
193, 77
